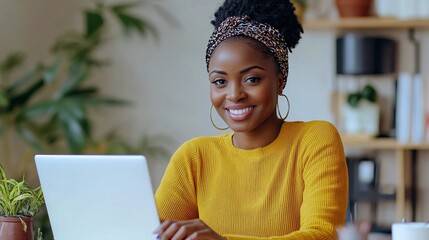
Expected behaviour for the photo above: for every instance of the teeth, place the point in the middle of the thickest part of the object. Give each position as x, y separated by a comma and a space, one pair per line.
240, 111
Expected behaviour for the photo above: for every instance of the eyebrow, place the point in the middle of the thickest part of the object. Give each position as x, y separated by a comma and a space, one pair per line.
241, 72
251, 68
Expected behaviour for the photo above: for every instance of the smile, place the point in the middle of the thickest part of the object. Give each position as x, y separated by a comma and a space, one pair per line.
239, 114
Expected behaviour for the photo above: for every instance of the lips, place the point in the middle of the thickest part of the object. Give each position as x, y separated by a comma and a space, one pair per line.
239, 114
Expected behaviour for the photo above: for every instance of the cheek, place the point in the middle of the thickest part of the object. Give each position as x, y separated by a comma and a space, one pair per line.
216, 97
266, 95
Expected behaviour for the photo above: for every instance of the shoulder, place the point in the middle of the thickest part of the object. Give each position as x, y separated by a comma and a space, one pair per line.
315, 134
313, 128
206, 144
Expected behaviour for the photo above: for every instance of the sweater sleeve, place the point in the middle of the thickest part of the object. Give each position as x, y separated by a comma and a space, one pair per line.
176, 196
325, 177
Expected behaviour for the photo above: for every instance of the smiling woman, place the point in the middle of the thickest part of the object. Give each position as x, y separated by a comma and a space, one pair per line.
268, 177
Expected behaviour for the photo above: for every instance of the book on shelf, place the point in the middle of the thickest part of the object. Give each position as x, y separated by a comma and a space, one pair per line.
426, 107
418, 110
412, 108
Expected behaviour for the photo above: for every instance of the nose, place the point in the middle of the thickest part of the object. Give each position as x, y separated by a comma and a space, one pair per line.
235, 93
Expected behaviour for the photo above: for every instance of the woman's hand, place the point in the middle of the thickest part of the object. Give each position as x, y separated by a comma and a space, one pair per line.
194, 229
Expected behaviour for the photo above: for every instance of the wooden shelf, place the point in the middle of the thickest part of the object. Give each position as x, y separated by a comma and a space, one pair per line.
381, 144
365, 23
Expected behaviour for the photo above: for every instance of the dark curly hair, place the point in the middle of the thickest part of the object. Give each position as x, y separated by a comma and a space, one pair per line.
277, 13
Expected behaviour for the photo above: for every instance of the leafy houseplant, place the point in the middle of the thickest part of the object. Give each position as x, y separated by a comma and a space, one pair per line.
367, 93
49, 106
362, 112
18, 204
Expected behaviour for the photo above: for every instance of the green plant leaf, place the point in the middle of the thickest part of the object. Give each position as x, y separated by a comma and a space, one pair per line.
4, 101
24, 79
94, 22
22, 99
76, 73
369, 93
131, 23
73, 132
11, 62
29, 137
354, 98
80, 91
37, 110
52, 72
71, 107
101, 101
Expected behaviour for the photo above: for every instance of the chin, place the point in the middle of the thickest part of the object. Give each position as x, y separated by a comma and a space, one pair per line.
240, 127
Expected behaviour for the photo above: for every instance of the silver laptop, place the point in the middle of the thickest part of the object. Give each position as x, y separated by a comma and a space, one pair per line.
91, 197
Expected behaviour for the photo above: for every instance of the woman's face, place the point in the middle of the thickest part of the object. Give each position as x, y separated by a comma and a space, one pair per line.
245, 84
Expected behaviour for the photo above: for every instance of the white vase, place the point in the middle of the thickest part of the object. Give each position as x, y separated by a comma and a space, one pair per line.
386, 8
363, 119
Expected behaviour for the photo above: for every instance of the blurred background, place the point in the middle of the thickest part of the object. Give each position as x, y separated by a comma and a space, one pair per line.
162, 79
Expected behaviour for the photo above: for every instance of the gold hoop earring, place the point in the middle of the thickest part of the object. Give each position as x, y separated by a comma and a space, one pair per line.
211, 120
278, 108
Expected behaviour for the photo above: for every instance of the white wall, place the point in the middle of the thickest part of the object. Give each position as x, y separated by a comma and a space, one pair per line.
167, 79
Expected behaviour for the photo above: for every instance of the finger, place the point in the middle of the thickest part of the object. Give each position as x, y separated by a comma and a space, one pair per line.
184, 231
204, 234
179, 230
163, 226
176, 230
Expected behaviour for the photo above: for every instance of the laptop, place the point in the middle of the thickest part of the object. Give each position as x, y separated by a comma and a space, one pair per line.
91, 197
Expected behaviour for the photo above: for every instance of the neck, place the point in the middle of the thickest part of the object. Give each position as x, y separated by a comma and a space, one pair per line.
260, 137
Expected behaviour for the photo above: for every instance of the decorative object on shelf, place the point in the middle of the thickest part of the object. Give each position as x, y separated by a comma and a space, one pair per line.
402, 9
367, 174
353, 8
300, 8
365, 55
362, 55
385, 8
362, 113
18, 205
412, 230
410, 108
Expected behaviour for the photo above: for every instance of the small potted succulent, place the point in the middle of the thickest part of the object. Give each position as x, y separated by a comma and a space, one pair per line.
362, 112
18, 204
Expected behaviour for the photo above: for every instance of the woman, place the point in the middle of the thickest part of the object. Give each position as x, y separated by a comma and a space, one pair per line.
268, 179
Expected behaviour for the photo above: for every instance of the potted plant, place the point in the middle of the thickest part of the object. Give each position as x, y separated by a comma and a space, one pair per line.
353, 8
362, 112
18, 205
50, 107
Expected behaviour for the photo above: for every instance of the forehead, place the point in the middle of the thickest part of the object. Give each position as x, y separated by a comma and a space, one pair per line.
241, 50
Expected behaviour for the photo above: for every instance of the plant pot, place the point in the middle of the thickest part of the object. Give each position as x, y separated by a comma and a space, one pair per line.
353, 8
362, 120
11, 228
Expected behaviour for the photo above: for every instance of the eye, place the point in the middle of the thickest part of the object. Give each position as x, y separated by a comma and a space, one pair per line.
252, 80
218, 82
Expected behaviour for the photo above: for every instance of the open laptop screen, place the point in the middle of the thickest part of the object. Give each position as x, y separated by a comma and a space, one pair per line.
98, 196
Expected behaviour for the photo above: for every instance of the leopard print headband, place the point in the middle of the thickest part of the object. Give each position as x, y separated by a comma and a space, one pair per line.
264, 33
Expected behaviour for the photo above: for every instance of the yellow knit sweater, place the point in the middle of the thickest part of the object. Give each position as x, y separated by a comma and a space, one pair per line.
294, 188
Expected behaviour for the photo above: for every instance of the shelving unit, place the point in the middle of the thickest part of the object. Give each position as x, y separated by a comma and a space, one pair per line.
365, 23
405, 153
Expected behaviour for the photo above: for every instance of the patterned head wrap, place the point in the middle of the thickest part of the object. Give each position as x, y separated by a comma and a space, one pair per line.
264, 33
